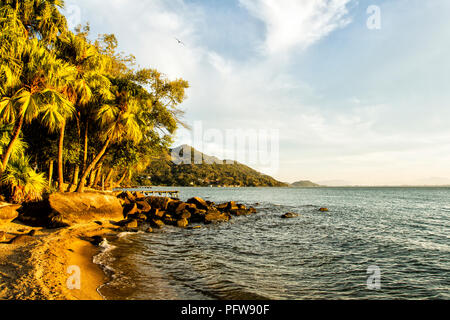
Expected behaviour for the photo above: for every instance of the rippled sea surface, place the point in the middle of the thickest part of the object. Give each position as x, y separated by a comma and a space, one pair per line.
403, 231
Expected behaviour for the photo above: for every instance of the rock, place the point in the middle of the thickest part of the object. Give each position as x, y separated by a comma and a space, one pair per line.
222, 206
8, 213
143, 206
232, 206
21, 239
157, 223
2, 236
186, 214
99, 223
141, 217
198, 216
240, 212
149, 230
132, 224
157, 213
182, 223
252, 210
139, 195
128, 223
194, 227
242, 207
95, 240
323, 210
31, 233
130, 209
173, 205
289, 215
199, 203
161, 203
170, 221
213, 216
127, 195
62, 209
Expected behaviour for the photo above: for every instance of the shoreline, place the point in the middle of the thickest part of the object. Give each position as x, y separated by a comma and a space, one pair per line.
44, 263
37, 268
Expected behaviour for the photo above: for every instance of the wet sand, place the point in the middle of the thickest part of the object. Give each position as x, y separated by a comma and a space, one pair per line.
36, 268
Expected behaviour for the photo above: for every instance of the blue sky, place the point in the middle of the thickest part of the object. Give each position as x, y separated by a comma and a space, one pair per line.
366, 106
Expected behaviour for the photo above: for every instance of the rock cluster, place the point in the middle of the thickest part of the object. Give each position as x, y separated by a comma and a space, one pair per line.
148, 213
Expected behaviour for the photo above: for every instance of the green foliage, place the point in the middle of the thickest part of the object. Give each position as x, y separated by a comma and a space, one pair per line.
23, 182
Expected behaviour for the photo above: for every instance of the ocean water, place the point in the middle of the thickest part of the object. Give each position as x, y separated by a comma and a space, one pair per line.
405, 232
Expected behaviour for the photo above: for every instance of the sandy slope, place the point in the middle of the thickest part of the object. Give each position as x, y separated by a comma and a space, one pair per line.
36, 268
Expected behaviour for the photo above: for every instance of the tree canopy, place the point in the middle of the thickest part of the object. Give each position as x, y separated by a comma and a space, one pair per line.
77, 102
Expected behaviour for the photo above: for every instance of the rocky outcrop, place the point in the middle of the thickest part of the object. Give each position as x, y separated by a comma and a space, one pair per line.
62, 209
8, 212
157, 212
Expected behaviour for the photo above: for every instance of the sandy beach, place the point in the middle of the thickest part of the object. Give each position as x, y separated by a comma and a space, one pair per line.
36, 268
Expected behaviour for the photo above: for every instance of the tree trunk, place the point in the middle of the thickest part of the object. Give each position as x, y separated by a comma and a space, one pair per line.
108, 177
122, 178
75, 176
98, 175
85, 151
60, 157
92, 177
14, 138
82, 182
50, 174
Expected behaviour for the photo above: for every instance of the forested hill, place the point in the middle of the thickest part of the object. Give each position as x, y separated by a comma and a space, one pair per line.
172, 171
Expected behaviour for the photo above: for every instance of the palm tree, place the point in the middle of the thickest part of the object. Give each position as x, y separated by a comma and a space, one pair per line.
24, 183
40, 18
43, 77
54, 117
90, 85
119, 122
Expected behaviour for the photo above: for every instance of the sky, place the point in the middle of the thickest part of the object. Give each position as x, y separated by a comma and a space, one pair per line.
352, 92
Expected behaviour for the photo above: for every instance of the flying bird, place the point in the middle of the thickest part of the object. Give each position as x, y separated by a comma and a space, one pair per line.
179, 41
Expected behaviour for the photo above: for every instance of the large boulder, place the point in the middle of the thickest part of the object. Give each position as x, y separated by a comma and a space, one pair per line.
61, 209
199, 203
8, 212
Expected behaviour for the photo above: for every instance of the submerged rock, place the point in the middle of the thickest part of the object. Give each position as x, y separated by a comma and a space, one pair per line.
324, 210
290, 215
213, 216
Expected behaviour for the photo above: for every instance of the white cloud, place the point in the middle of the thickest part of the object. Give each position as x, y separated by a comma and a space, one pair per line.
323, 135
297, 23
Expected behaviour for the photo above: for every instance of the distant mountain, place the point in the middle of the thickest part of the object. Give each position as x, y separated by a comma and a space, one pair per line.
434, 181
198, 169
304, 184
